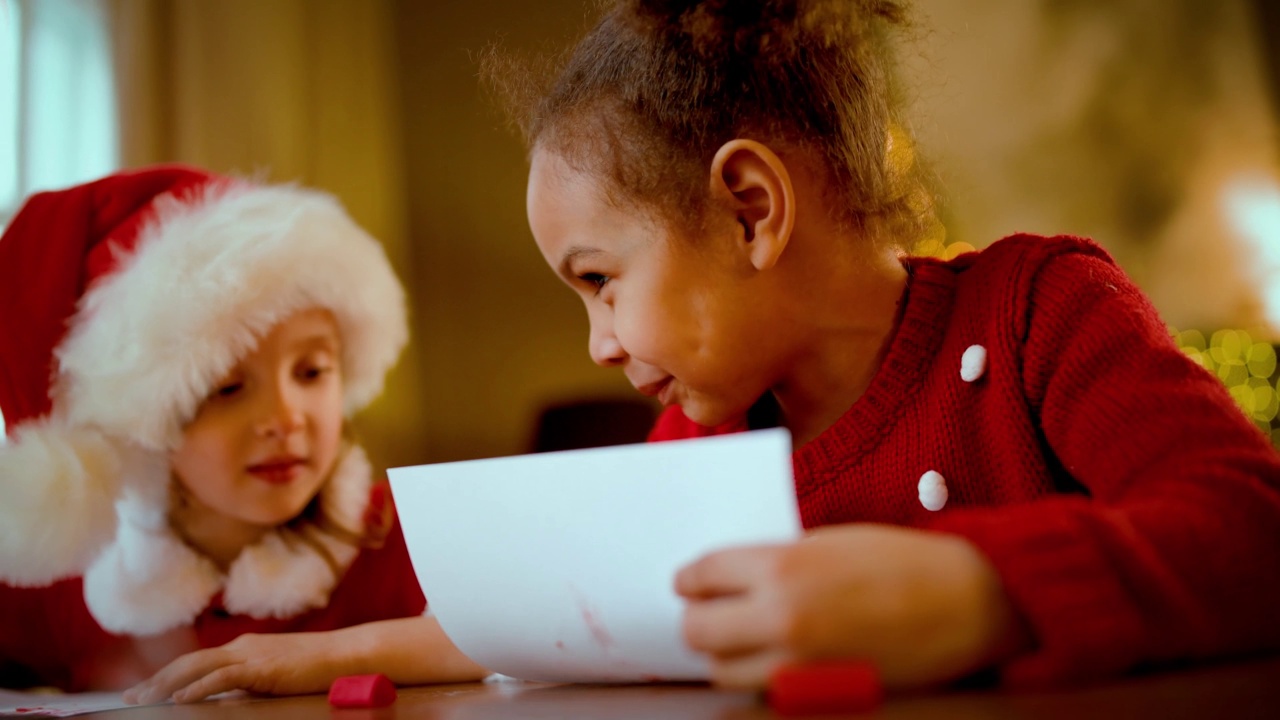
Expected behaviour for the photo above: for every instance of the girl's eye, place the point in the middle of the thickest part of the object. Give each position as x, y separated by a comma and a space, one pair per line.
312, 372
596, 280
228, 390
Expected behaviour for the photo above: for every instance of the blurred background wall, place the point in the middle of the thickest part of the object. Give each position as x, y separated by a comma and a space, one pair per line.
501, 337
1147, 124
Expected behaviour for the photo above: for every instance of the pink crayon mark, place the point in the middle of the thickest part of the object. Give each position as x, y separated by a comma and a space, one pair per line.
594, 626
560, 644
598, 632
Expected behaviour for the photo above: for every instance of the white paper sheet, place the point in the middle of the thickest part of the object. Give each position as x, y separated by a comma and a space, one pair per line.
31, 704
54, 704
559, 566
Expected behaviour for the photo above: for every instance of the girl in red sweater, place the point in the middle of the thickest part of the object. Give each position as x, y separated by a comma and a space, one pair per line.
180, 356
1006, 462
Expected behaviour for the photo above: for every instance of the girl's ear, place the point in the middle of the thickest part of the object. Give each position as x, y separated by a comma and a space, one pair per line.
751, 180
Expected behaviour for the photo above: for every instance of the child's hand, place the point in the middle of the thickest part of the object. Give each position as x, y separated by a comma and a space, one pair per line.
283, 664
925, 607
410, 651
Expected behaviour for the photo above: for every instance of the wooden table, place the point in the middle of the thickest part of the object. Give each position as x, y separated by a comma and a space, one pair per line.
1236, 691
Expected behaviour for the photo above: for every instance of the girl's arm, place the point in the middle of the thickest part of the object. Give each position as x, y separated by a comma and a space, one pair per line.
410, 651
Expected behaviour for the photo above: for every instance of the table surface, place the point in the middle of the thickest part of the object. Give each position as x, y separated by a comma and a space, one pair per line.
1239, 690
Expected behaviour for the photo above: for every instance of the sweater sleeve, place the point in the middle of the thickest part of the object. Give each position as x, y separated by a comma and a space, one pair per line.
1173, 553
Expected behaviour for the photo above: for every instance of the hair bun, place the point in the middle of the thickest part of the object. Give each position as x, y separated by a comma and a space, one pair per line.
749, 26
732, 14
668, 9
717, 27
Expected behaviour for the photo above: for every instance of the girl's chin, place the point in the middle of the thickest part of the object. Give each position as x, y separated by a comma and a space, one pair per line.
273, 516
709, 414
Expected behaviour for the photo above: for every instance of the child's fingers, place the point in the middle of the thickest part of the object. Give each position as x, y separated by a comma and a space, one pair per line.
725, 572
749, 671
179, 674
227, 677
729, 626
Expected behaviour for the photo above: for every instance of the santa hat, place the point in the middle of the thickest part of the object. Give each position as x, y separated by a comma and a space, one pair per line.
122, 302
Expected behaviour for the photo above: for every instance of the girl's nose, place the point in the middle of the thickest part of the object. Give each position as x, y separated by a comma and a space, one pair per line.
604, 347
281, 413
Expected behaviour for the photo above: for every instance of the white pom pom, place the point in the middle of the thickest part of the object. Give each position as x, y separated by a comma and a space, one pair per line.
933, 491
58, 485
148, 581
973, 363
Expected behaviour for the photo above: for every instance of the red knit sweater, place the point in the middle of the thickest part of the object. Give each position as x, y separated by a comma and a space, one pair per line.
1131, 509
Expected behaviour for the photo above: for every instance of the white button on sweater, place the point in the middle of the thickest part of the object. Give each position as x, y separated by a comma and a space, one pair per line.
933, 491
973, 363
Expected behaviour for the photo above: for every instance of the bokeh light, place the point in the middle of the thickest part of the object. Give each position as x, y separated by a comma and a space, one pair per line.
1246, 366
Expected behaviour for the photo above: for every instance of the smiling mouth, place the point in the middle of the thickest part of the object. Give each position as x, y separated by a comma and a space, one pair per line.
655, 388
280, 472
663, 390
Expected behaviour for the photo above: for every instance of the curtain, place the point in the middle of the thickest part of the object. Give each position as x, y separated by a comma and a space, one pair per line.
57, 105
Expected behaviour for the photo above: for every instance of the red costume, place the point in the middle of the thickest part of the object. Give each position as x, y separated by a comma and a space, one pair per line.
123, 302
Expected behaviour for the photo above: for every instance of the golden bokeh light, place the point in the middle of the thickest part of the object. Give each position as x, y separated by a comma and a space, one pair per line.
1246, 366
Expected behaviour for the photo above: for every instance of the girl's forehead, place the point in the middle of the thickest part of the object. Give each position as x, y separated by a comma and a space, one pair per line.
550, 174
310, 328
318, 321
560, 197
560, 191
559, 178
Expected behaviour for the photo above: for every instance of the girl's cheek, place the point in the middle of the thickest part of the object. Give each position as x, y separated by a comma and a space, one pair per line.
633, 332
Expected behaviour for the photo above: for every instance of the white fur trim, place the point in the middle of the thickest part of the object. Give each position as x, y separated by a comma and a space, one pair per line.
57, 484
210, 276
345, 497
149, 581
257, 581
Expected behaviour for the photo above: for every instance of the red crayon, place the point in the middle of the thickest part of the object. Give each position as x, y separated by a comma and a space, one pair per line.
825, 688
354, 691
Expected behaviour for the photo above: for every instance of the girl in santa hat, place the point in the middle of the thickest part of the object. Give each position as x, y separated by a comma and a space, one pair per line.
180, 354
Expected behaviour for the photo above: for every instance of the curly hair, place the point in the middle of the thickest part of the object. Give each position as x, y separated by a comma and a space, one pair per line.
650, 93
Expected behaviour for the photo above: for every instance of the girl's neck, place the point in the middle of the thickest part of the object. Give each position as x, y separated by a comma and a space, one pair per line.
849, 330
218, 537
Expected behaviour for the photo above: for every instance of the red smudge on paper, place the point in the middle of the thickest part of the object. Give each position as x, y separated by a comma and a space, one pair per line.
598, 631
